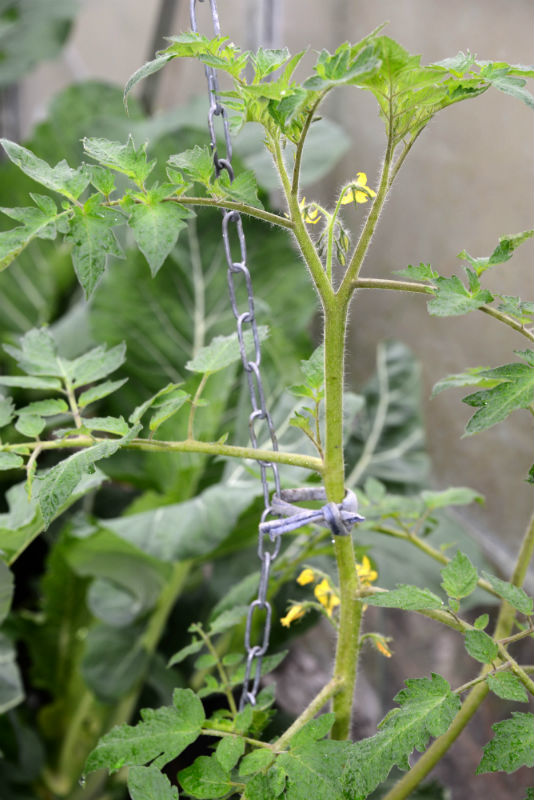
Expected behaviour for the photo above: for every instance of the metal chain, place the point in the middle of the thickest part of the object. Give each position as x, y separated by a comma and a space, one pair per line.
260, 416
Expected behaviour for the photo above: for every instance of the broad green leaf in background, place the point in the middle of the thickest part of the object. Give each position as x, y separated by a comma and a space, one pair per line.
515, 595
511, 747
161, 735
149, 783
507, 686
459, 576
32, 31
515, 390
114, 661
11, 688
410, 598
427, 708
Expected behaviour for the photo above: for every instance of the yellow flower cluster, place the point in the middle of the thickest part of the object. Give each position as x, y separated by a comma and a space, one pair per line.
324, 592
353, 194
311, 212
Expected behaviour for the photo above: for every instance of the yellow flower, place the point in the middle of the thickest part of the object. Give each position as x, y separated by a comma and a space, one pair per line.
326, 596
294, 613
306, 576
352, 195
366, 573
311, 215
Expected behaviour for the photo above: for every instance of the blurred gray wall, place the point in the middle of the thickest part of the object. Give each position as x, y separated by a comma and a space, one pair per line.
468, 181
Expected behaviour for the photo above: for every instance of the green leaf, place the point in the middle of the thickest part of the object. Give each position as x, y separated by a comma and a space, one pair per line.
471, 377
162, 734
156, 227
223, 351
481, 646
24, 382
36, 355
422, 272
112, 603
266, 787
189, 650
511, 747
114, 661
30, 425
143, 72
11, 688
521, 310
410, 598
55, 487
459, 577
515, 595
314, 769
99, 392
256, 761
95, 365
205, 778
10, 461
102, 179
167, 406
107, 424
229, 751
454, 496
148, 783
243, 189
530, 793
228, 619
123, 158
7, 587
502, 253
7, 411
313, 730
45, 408
61, 178
514, 87
515, 390
481, 622
427, 708
93, 240
453, 298
36, 223
508, 686
196, 164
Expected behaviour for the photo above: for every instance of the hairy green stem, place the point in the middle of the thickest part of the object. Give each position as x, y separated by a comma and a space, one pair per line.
186, 446
320, 700
503, 628
243, 208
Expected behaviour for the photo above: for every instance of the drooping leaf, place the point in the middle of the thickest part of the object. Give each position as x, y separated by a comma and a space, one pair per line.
55, 487
149, 783
515, 390
515, 595
508, 686
459, 576
427, 708
161, 735
143, 72
61, 178
125, 158
93, 240
481, 646
156, 227
511, 747
410, 598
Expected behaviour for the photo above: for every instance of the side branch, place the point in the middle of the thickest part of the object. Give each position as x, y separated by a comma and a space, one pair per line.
186, 446
242, 208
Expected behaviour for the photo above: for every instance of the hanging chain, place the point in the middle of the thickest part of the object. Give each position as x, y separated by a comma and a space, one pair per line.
259, 417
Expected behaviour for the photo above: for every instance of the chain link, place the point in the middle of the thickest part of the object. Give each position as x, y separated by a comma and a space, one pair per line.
260, 611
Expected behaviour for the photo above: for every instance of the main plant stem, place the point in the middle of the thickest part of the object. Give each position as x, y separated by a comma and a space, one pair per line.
334, 476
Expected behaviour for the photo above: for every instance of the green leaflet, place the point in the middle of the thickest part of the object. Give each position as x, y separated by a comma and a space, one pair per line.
99, 391
410, 598
454, 496
196, 164
148, 783
422, 272
243, 189
228, 752
156, 227
223, 351
427, 708
205, 778
45, 408
454, 298
37, 222
502, 253
511, 747
143, 72
10, 461
515, 595
55, 487
93, 240
61, 178
508, 686
521, 310
514, 390
459, 577
161, 735
481, 646
7, 411
471, 377
123, 158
